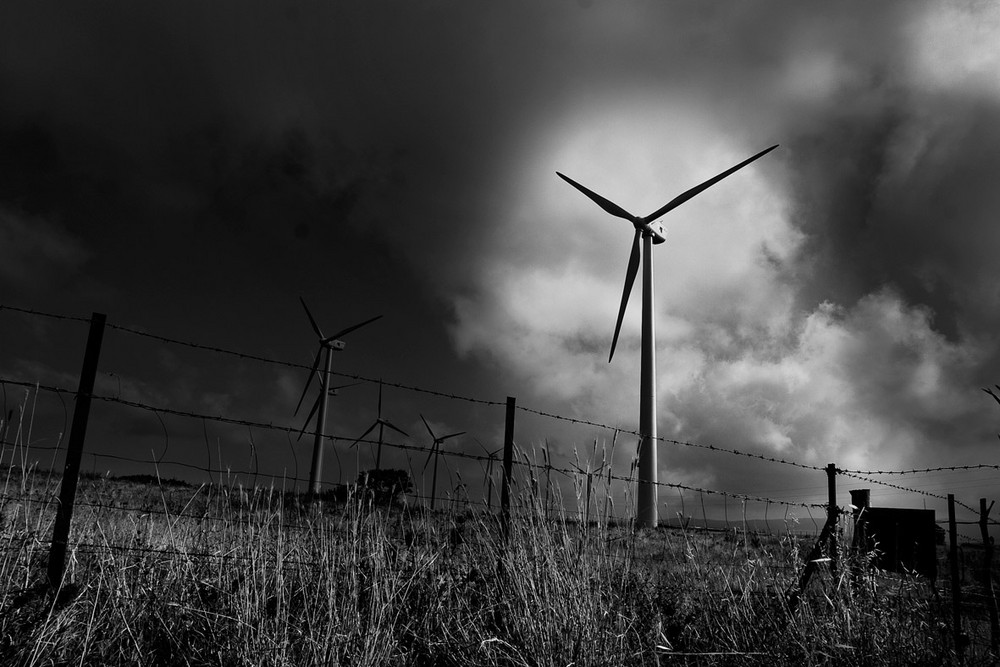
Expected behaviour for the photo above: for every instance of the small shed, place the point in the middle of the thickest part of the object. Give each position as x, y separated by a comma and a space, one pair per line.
900, 540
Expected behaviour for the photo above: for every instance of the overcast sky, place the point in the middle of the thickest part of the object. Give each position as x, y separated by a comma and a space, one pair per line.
190, 169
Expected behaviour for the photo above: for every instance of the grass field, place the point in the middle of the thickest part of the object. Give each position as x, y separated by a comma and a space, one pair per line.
176, 575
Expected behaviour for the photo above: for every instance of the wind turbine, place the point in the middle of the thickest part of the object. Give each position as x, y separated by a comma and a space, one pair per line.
590, 472
381, 423
491, 458
651, 233
435, 452
330, 344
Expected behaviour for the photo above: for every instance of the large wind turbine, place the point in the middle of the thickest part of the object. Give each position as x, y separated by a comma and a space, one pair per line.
330, 344
651, 233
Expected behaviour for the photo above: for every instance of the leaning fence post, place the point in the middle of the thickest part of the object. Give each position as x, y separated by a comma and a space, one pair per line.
956, 585
991, 600
831, 515
508, 462
793, 595
74, 452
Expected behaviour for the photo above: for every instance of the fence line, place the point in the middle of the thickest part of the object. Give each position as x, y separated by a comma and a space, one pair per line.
858, 474
470, 399
479, 401
415, 448
474, 457
292, 429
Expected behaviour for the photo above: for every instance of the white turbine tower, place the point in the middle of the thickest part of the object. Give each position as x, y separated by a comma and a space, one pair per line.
646, 514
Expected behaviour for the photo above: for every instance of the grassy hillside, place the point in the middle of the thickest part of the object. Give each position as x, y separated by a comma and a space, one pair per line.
178, 575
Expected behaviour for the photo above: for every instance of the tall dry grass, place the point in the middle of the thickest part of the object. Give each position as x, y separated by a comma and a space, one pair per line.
223, 575
226, 576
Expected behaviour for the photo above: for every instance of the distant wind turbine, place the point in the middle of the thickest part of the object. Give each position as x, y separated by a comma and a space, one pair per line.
381, 424
330, 344
491, 458
651, 233
590, 472
435, 452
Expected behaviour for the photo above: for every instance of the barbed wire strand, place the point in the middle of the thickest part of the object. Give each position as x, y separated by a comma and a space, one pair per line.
474, 457
293, 429
904, 488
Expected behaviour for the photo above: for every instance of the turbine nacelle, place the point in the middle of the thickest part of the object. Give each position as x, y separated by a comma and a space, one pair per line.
654, 229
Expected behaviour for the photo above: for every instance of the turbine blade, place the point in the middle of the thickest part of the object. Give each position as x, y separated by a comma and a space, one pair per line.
482, 447
608, 205
312, 321
394, 428
452, 435
305, 424
305, 389
633, 269
680, 199
429, 455
362, 436
433, 437
350, 329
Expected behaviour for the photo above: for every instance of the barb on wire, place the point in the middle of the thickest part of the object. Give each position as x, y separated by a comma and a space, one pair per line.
992, 393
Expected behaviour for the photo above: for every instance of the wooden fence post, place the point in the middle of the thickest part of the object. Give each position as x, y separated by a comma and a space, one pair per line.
74, 452
831, 515
991, 600
861, 500
956, 584
508, 462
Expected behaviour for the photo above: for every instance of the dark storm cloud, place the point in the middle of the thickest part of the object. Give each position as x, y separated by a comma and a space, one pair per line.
901, 193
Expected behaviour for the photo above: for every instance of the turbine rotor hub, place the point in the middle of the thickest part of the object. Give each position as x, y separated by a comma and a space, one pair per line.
656, 230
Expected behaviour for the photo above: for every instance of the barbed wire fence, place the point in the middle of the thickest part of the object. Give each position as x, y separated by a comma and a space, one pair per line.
524, 462
532, 477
